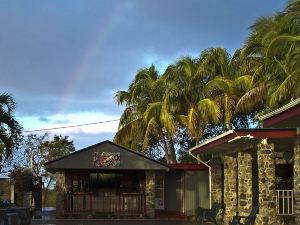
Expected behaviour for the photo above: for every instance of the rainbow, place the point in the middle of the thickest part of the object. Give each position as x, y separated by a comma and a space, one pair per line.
80, 71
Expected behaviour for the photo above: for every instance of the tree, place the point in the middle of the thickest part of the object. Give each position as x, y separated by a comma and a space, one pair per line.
187, 96
43, 148
274, 42
10, 130
23, 183
200, 97
145, 123
192, 94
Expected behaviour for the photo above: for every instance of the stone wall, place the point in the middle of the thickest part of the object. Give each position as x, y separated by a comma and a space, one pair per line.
255, 189
266, 181
244, 183
297, 182
230, 188
150, 194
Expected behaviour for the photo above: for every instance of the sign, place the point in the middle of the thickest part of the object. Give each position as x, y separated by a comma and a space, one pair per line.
107, 159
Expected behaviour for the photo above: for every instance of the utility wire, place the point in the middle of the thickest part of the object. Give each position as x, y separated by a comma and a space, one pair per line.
71, 126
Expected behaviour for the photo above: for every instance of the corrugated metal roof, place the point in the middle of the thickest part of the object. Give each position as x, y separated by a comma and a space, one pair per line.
281, 109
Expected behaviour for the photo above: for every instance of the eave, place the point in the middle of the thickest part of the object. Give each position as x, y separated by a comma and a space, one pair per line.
184, 166
235, 140
285, 116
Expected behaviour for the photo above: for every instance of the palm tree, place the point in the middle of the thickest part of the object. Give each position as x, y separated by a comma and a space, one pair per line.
145, 119
285, 81
188, 94
222, 68
9, 128
274, 42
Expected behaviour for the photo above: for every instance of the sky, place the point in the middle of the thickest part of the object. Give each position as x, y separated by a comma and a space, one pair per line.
63, 60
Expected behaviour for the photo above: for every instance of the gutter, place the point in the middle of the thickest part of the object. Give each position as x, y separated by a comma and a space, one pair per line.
209, 167
209, 173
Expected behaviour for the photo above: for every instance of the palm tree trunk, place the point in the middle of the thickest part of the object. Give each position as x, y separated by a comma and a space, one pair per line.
165, 147
172, 156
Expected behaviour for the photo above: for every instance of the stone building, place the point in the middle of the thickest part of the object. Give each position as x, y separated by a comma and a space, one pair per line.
107, 180
258, 167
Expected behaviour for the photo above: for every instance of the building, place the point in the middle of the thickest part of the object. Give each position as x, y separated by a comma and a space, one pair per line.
107, 180
258, 167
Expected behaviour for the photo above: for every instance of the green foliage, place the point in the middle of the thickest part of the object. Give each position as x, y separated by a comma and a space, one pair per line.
58, 147
24, 182
10, 129
23, 179
43, 148
51, 198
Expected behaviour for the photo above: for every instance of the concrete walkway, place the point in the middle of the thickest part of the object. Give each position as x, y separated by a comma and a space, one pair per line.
111, 222
49, 219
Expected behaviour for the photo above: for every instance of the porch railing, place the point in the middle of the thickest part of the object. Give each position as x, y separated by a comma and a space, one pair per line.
127, 203
285, 202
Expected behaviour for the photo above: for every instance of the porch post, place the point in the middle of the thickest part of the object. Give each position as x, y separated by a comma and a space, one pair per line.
230, 186
60, 185
297, 181
150, 194
216, 180
266, 182
244, 183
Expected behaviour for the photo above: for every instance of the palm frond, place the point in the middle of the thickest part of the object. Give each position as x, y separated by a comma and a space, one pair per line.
251, 98
122, 97
243, 83
194, 121
152, 129
209, 110
153, 111
7, 103
284, 90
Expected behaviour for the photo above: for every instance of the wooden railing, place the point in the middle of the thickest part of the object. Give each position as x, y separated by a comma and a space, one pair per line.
284, 202
126, 203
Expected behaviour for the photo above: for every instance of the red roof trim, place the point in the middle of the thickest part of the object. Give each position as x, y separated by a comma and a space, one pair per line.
187, 167
257, 133
282, 116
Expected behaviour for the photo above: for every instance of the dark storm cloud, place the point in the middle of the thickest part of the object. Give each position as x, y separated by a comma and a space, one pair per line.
68, 56
45, 119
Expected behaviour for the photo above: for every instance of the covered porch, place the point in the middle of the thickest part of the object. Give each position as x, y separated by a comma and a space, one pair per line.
255, 167
101, 193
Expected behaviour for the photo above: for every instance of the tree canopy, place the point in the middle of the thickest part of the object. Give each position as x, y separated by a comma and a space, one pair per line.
10, 129
197, 98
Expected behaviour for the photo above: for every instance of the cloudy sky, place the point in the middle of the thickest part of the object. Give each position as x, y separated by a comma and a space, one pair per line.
63, 60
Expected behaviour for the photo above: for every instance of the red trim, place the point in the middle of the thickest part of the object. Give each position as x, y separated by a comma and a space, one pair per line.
187, 167
295, 111
277, 134
258, 134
